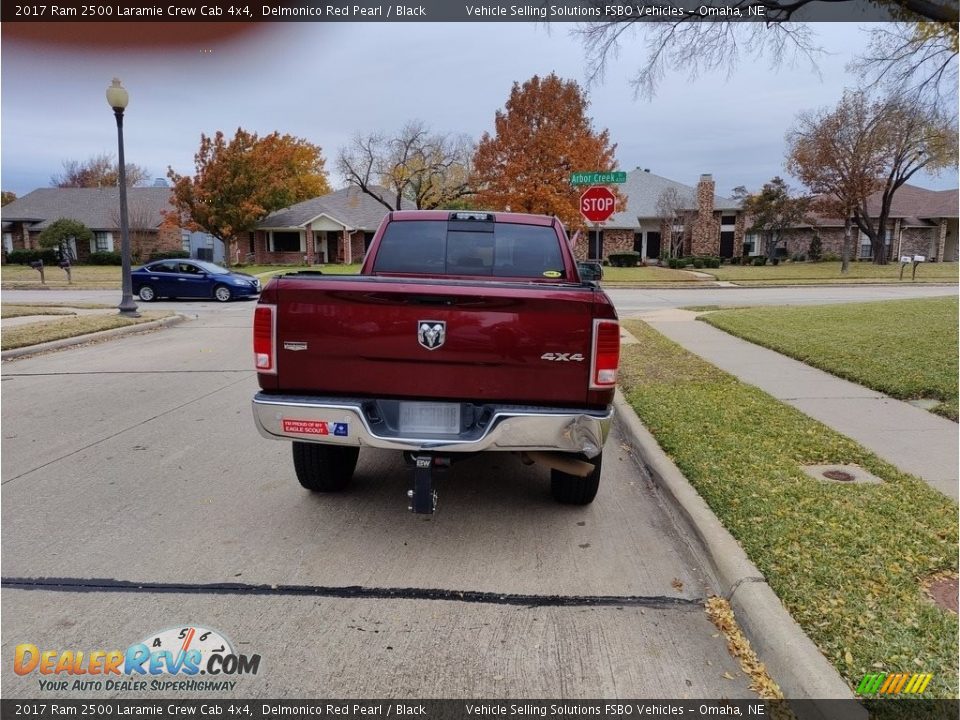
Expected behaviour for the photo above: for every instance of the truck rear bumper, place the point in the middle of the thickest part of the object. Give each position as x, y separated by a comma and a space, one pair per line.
364, 422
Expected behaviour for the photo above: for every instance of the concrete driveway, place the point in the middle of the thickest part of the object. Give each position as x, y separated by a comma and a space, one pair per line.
137, 461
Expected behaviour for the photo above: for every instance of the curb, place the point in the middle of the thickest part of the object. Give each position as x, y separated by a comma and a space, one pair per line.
793, 660
91, 337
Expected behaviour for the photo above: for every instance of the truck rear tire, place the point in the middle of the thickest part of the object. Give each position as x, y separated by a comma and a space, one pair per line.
324, 468
573, 490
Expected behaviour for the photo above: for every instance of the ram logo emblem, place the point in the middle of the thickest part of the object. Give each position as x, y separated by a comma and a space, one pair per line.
431, 333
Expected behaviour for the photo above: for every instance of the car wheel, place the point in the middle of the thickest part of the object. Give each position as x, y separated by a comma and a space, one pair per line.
222, 293
147, 294
324, 468
573, 490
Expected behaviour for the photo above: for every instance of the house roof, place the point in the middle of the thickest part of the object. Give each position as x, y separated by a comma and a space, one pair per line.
350, 207
917, 206
97, 208
642, 190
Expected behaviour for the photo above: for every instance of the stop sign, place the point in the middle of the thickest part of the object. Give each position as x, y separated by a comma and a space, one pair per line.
597, 203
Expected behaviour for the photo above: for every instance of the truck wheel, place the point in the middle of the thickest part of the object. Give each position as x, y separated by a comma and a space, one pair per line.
573, 490
324, 468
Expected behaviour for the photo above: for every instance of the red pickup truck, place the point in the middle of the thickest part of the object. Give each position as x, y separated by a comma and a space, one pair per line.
464, 332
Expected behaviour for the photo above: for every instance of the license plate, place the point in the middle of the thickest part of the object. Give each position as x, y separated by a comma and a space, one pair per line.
417, 417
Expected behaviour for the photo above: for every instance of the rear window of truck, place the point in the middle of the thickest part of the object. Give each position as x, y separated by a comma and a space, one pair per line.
470, 248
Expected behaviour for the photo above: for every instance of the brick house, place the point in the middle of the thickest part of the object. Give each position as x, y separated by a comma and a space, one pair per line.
712, 225
99, 209
333, 228
921, 222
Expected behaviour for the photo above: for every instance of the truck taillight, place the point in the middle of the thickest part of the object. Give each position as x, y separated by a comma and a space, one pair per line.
606, 354
264, 338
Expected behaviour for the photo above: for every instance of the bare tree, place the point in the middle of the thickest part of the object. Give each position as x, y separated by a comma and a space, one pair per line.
671, 210
700, 43
430, 170
918, 59
98, 171
694, 45
142, 223
863, 148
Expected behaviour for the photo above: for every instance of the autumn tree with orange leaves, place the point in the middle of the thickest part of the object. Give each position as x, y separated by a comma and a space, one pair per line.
542, 136
240, 182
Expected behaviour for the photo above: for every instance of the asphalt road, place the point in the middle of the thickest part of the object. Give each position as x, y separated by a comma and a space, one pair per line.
628, 301
136, 461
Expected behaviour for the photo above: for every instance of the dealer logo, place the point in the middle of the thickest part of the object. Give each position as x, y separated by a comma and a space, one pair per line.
180, 653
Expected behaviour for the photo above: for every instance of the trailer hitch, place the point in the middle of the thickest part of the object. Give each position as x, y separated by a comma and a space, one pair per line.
423, 498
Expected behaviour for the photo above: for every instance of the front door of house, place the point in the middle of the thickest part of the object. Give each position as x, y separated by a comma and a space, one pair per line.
653, 244
726, 244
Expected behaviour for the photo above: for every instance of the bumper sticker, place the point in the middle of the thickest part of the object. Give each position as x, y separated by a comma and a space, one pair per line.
315, 427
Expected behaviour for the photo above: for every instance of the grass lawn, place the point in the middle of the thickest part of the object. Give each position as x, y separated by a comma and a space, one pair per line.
830, 271
646, 274
13, 311
352, 269
86, 276
846, 560
46, 331
905, 348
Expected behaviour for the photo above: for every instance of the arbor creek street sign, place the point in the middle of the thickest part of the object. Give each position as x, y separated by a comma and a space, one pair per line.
597, 178
597, 203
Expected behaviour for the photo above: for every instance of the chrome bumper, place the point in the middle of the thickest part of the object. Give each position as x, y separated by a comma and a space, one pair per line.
356, 422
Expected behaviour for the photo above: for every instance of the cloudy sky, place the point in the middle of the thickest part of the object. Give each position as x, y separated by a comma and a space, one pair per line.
325, 82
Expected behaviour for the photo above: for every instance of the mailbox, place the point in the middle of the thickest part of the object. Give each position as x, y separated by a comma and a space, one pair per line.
906, 259
37, 264
919, 258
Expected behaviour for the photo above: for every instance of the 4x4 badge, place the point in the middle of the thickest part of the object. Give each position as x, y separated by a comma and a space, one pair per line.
431, 333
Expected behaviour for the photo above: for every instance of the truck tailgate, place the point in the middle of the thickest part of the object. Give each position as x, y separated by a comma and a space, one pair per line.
511, 342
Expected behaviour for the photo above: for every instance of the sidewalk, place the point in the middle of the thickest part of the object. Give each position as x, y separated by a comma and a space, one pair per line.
916, 441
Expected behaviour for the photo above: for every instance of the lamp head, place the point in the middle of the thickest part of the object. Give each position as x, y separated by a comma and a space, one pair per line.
117, 96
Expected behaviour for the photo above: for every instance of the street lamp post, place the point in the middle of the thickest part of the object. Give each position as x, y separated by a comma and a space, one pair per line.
117, 98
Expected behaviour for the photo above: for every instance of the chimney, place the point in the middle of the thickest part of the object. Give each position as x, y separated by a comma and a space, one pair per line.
705, 194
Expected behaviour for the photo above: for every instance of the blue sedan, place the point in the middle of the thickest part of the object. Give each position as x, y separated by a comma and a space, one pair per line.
191, 279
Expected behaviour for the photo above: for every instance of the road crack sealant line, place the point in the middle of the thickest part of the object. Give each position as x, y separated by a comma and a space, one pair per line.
101, 585
126, 429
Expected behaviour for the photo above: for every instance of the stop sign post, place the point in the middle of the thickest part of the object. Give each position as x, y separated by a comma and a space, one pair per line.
597, 203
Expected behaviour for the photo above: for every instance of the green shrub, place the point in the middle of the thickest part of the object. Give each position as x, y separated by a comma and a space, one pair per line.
831, 257
760, 260
735, 260
104, 258
673, 263
169, 255
629, 258
698, 263
816, 248
799, 257
775, 261
25, 257
712, 262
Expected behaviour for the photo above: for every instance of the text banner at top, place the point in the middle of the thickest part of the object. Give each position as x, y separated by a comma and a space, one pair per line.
432, 11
